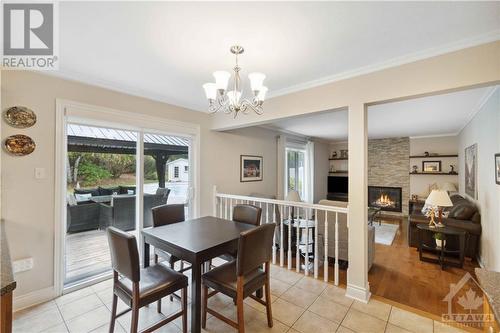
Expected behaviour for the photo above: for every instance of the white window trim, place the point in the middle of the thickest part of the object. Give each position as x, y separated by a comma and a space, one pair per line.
70, 111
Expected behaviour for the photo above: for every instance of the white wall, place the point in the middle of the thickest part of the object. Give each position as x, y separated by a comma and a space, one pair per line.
484, 130
444, 145
28, 203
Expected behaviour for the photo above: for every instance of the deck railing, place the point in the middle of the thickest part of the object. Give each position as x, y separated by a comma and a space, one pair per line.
280, 212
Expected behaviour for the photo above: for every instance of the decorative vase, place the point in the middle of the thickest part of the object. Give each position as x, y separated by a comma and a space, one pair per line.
440, 243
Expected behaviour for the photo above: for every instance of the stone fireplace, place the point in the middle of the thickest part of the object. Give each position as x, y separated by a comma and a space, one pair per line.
386, 198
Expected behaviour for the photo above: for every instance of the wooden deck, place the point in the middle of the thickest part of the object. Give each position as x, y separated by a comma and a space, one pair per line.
87, 254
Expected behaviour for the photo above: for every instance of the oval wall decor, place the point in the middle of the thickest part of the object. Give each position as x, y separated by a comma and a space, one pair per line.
19, 145
20, 117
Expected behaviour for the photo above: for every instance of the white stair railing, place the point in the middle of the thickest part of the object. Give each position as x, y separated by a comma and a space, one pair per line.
280, 213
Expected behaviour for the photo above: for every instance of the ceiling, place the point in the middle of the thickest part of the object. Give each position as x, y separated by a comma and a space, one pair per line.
425, 116
167, 50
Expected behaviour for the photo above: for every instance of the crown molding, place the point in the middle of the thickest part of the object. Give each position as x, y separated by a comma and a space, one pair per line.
434, 136
120, 88
398, 61
479, 106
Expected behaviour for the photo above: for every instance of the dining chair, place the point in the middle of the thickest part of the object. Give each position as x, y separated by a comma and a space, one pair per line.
248, 214
138, 287
164, 215
240, 278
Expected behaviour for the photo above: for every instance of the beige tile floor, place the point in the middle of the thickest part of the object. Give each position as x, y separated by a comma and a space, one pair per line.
300, 304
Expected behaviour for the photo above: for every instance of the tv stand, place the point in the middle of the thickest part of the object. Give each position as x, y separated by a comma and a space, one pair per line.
337, 196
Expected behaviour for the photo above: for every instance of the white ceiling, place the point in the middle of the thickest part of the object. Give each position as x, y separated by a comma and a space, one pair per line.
167, 50
433, 115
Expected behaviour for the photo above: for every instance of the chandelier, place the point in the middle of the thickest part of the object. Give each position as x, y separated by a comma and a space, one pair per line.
220, 99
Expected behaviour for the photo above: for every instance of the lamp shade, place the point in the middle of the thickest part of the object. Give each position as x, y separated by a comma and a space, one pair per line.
293, 196
449, 187
256, 80
210, 90
221, 79
439, 198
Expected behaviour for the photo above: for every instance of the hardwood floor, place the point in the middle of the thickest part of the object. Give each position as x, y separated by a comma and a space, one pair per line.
399, 275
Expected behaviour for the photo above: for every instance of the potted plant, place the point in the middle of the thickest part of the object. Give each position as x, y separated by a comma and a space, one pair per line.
440, 240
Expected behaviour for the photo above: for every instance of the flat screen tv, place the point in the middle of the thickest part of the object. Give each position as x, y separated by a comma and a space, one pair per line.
338, 184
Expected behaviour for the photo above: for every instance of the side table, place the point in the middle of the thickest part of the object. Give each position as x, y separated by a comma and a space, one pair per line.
443, 254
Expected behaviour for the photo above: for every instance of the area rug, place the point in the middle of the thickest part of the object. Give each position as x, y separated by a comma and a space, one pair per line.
385, 233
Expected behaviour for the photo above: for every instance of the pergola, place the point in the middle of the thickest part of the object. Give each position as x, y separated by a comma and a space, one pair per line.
90, 139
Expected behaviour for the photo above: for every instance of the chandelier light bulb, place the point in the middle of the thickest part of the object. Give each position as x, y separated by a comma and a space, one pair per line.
221, 79
256, 80
262, 94
234, 97
210, 91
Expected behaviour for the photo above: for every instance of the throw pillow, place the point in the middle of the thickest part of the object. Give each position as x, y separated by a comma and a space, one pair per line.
83, 197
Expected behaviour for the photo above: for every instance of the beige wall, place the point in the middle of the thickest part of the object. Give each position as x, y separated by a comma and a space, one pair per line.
321, 154
484, 130
28, 204
444, 145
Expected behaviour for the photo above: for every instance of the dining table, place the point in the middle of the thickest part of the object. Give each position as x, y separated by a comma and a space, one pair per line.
195, 241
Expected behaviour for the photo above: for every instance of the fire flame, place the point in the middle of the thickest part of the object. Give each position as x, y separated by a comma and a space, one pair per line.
384, 201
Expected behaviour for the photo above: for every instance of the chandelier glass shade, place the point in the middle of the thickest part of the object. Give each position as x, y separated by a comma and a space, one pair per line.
233, 101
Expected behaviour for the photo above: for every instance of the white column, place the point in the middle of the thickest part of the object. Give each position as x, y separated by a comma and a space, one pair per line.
357, 273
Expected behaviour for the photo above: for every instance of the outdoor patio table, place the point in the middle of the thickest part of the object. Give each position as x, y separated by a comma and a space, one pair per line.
195, 241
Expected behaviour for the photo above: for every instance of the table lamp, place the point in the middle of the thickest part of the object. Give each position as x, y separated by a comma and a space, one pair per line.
449, 187
439, 199
295, 197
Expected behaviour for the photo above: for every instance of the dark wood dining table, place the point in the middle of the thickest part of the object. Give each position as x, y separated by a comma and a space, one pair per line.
195, 241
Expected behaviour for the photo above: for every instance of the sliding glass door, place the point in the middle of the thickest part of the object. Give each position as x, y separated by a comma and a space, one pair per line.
104, 189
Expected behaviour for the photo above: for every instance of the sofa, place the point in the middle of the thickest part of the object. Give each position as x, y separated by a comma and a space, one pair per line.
89, 215
82, 217
343, 234
463, 215
121, 212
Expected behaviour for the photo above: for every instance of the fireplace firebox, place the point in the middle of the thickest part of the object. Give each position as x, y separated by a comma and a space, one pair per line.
386, 198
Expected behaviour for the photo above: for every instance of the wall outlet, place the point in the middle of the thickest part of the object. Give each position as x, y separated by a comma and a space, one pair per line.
22, 265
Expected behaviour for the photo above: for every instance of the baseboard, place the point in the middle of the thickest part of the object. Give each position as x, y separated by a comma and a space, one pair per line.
357, 293
34, 298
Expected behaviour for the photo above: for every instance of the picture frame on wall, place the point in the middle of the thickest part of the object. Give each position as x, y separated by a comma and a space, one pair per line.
497, 168
471, 171
251, 168
431, 166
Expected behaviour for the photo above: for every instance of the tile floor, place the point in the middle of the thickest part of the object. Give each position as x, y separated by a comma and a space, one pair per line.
300, 305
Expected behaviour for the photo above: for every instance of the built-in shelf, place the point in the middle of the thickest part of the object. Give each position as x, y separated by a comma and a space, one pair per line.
434, 173
338, 159
432, 156
338, 172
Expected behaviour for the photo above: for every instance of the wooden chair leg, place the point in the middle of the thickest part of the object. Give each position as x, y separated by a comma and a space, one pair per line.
184, 309
267, 291
135, 319
239, 305
158, 306
156, 258
172, 265
204, 306
182, 265
113, 314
